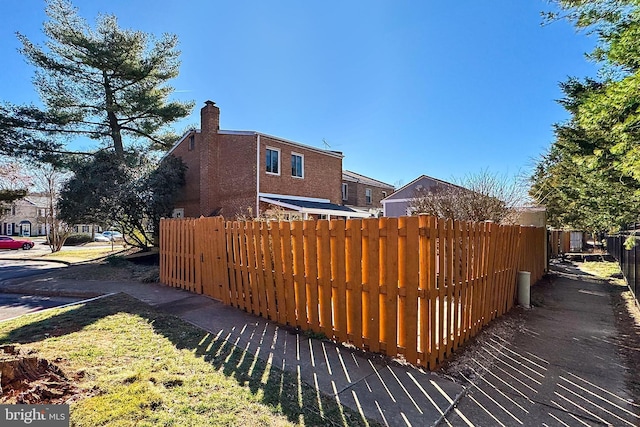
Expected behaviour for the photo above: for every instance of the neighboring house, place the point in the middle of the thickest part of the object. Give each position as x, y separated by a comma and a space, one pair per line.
399, 203
24, 217
246, 173
363, 193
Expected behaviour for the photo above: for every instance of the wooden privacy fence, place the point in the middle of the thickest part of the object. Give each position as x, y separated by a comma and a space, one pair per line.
416, 286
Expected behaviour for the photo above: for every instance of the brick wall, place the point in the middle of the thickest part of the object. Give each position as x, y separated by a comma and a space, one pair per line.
356, 195
189, 196
236, 168
322, 173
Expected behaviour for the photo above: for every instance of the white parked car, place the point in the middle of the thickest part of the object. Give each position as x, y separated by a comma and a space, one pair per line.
101, 238
114, 236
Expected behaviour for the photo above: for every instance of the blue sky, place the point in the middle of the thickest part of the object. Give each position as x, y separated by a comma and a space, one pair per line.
402, 88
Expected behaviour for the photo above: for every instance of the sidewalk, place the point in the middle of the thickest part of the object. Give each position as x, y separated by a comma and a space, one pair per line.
384, 391
570, 363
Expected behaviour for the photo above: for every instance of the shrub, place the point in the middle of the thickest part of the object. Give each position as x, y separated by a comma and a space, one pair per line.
77, 239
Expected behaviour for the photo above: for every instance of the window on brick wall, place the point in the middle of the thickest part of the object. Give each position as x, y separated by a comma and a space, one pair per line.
297, 165
384, 194
367, 195
273, 161
192, 142
345, 191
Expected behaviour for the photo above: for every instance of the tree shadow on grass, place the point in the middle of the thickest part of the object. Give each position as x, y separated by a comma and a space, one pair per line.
298, 401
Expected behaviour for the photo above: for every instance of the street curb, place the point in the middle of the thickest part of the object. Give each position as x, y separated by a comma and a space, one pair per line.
44, 293
37, 260
89, 299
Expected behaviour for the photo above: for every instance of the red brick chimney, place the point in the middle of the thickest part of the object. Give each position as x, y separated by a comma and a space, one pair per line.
209, 126
210, 117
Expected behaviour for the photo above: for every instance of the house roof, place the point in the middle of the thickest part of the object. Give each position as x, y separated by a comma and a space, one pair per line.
37, 200
332, 153
413, 183
356, 177
314, 207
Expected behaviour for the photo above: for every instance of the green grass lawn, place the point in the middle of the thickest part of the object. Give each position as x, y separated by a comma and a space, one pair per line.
601, 269
141, 367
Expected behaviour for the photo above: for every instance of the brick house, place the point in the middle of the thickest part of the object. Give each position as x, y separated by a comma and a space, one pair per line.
363, 193
247, 173
399, 203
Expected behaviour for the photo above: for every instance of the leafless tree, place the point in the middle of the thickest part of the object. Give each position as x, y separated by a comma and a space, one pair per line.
477, 197
48, 182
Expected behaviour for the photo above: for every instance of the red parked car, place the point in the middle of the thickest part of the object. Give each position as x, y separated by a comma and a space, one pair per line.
9, 243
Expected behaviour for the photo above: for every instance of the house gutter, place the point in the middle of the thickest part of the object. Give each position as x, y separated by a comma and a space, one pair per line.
258, 176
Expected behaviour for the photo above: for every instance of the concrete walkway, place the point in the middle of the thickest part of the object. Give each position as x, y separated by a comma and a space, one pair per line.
383, 391
570, 364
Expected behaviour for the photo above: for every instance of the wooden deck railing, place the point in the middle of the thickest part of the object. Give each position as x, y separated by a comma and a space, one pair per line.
412, 286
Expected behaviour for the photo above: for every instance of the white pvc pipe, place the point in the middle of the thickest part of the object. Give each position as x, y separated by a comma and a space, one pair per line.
524, 289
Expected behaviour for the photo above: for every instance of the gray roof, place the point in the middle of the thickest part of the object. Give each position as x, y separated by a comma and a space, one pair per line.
356, 177
313, 204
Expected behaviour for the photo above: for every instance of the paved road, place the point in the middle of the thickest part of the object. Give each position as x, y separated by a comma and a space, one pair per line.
13, 305
15, 269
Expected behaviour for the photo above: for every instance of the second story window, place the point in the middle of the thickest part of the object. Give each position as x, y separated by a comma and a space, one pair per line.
273, 161
367, 195
192, 142
297, 165
345, 191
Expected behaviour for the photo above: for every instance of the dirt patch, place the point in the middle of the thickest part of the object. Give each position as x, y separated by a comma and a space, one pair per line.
28, 379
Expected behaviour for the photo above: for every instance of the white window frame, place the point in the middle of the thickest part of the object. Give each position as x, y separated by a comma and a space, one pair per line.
279, 160
293, 153
345, 191
368, 196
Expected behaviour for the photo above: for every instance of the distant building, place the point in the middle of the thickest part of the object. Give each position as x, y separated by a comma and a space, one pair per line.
363, 193
24, 217
399, 203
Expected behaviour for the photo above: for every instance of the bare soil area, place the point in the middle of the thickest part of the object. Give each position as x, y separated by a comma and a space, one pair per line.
28, 379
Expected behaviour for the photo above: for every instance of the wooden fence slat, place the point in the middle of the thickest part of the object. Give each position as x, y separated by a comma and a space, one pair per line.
252, 265
287, 259
391, 315
411, 271
338, 278
271, 312
455, 280
311, 274
324, 277
300, 286
278, 272
373, 284
353, 249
